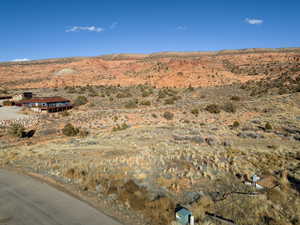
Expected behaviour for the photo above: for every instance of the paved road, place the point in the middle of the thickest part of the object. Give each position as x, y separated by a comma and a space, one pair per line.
26, 201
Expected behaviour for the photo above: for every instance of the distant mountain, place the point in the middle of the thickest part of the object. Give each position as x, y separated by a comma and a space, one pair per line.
179, 69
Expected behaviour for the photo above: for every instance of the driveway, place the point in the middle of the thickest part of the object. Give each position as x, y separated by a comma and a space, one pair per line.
26, 201
11, 113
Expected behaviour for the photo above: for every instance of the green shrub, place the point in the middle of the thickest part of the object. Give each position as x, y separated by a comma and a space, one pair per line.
213, 108
3, 91
229, 107
297, 88
169, 101
166, 92
16, 130
82, 89
71, 90
235, 124
93, 93
124, 126
65, 113
124, 94
80, 100
168, 115
235, 98
70, 130
147, 103
131, 104
83, 133
243, 86
282, 91
268, 126
146, 93
7, 103
154, 115
195, 111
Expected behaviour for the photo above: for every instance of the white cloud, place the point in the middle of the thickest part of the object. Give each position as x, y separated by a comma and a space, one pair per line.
20, 60
181, 28
113, 25
79, 28
254, 21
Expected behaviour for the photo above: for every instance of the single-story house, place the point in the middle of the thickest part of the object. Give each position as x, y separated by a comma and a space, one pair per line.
22, 96
46, 104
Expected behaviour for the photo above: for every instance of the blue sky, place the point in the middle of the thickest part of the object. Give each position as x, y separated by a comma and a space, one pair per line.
38, 29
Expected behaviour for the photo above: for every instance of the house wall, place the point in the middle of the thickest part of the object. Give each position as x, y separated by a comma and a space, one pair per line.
58, 104
18, 97
44, 107
36, 110
42, 104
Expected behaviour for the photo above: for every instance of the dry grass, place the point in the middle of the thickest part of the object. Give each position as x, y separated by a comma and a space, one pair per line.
148, 167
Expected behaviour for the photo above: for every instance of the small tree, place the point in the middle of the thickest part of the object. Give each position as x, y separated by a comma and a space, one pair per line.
168, 115
195, 111
229, 107
147, 103
213, 108
268, 126
235, 124
235, 98
16, 130
70, 130
146, 93
131, 104
65, 113
80, 100
70, 90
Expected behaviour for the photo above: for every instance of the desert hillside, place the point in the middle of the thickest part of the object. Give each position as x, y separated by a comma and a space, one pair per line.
196, 135
166, 69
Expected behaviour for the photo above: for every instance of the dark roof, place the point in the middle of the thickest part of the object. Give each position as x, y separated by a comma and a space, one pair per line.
44, 100
5, 97
183, 212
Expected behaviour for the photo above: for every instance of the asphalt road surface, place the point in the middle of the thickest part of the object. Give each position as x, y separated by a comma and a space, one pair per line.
27, 201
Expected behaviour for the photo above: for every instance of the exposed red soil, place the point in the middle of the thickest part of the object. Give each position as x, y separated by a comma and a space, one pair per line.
160, 70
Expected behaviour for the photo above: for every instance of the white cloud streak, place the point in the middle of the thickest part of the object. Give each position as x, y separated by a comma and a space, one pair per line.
87, 28
113, 25
181, 28
254, 21
20, 60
